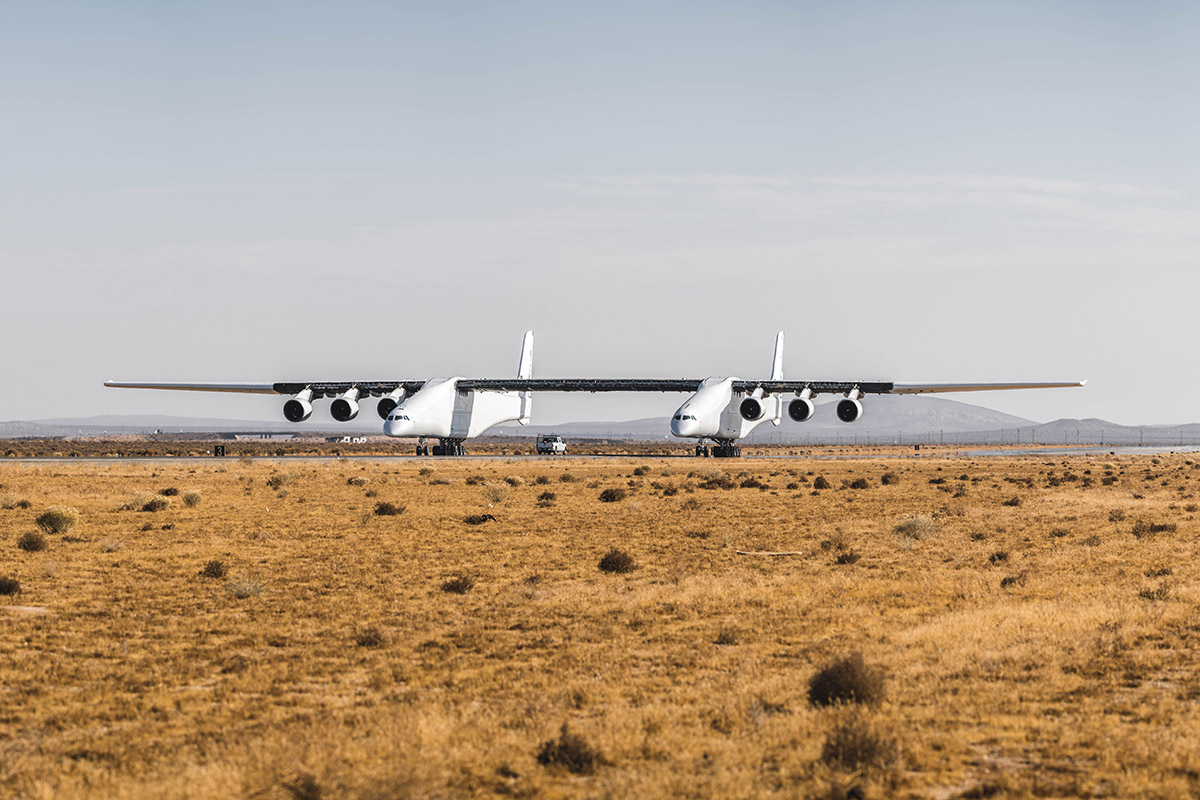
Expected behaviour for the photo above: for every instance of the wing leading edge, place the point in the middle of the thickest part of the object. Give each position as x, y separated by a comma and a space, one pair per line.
380, 388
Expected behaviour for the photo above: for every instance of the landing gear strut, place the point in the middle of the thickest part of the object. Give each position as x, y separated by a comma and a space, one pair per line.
727, 450
449, 447
722, 449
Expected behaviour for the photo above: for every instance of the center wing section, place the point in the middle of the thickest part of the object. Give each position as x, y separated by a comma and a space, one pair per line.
582, 384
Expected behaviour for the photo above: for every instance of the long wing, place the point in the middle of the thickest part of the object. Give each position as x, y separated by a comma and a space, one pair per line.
319, 388
380, 388
889, 387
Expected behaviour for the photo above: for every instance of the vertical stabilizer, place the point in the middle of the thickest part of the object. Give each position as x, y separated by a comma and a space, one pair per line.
525, 370
777, 361
525, 367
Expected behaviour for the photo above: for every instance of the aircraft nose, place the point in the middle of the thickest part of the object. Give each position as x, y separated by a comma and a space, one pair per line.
684, 425
397, 427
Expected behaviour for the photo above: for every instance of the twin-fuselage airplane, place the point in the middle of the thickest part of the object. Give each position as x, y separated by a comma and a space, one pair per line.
451, 410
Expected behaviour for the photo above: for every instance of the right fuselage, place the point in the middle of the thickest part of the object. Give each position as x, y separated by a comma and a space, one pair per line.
717, 412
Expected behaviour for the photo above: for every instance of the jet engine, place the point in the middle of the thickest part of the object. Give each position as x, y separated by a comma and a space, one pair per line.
751, 409
801, 409
299, 408
345, 407
388, 403
849, 410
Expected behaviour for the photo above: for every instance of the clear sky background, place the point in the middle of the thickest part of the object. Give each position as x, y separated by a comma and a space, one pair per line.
266, 191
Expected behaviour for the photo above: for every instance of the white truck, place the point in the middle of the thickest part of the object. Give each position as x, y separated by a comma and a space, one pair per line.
551, 445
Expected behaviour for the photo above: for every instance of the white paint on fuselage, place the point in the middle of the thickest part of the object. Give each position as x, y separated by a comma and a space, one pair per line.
714, 412
440, 410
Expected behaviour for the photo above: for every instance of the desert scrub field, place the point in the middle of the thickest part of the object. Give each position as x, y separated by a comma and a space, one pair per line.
945, 628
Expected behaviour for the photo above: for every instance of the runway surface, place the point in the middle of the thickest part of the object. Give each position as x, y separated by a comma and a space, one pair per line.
686, 456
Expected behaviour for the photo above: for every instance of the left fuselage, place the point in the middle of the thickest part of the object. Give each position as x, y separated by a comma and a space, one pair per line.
440, 410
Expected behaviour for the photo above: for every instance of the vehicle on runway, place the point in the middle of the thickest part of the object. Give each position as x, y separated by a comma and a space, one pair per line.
551, 445
720, 410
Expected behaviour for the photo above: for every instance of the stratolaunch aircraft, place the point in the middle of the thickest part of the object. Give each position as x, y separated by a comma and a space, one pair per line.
721, 410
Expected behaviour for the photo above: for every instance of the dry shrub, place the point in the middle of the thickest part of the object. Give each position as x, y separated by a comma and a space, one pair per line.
856, 744
371, 637
1145, 530
304, 787
192, 498
513, 480
57, 519
547, 497
281, 480
170, 491
474, 480
847, 680
998, 557
890, 479
847, 557
617, 561
1160, 592
479, 519
156, 503
213, 569
641, 470
613, 495
541, 480
572, 752
32, 541
918, 527
386, 509
859, 483
567, 477
460, 584
495, 494
358, 480
726, 636
820, 482
9, 586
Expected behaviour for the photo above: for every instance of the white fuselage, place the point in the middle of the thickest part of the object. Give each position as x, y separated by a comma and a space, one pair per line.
440, 410
715, 412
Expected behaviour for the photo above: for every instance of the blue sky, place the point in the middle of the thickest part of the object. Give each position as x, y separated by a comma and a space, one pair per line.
259, 191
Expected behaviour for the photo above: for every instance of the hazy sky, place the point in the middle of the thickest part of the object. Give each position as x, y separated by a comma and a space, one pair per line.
289, 191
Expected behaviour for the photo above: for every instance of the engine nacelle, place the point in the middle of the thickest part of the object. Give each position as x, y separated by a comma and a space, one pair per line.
345, 407
388, 403
849, 410
299, 408
801, 409
751, 409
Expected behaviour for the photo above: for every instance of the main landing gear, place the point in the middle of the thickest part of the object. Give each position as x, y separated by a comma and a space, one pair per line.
445, 447
719, 450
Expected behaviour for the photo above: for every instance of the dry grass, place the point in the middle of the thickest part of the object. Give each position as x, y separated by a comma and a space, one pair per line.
331, 664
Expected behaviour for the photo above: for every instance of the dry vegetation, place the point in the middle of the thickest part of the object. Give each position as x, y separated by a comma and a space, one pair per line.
285, 638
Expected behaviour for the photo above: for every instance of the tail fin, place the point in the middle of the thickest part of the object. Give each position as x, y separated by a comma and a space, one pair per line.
525, 370
777, 361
